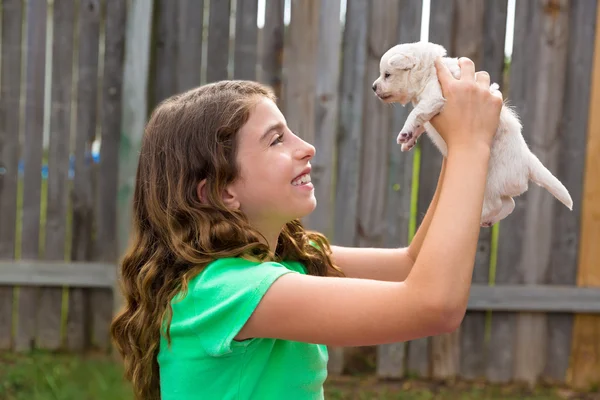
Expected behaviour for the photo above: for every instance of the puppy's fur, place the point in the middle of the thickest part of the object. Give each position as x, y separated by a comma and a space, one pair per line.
408, 74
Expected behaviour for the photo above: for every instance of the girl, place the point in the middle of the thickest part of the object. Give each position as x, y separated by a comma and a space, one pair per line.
229, 297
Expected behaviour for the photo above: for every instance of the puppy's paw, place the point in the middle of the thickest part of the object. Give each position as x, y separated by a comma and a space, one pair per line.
409, 133
404, 137
409, 145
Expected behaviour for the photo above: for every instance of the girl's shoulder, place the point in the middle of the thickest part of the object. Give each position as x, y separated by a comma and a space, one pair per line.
239, 269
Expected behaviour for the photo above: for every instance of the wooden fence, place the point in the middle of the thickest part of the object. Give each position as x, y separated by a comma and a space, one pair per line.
532, 308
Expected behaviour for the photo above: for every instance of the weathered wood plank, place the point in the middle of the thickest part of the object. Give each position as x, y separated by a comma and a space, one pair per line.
190, 24
57, 273
108, 171
511, 230
562, 268
534, 298
271, 49
10, 87
488, 54
32, 160
377, 131
246, 40
165, 50
300, 60
441, 32
467, 42
584, 370
135, 76
82, 193
218, 40
326, 115
352, 90
390, 357
377, 135
50, 308
545, 125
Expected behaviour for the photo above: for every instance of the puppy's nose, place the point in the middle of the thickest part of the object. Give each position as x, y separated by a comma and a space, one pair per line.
374, 87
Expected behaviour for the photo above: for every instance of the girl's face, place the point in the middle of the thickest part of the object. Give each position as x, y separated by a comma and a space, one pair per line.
274, 183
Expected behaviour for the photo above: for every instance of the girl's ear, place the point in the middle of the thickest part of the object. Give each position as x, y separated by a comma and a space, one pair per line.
227, 196
201, 191
230, 199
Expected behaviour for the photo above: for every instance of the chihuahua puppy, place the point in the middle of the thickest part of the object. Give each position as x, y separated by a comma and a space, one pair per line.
408, 74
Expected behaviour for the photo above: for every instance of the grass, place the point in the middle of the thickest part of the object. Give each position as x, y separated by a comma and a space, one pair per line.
47, 376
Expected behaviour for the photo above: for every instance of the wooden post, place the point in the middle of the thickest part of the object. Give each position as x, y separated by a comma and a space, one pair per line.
391, 357
218, 40
480, 36
326, 115
545, 93
190, 25
422, 351
135, 77
10, 100
571, 165
584, 370
82, 194
352, 90
107, 243
300, 60
271, 49
246, 40
50, 298
36, 16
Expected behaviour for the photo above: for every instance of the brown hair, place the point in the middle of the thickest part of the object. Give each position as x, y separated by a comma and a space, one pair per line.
191, 137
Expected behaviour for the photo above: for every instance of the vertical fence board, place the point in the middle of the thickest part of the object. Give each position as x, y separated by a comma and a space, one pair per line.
50, 308
190, 24
82, 193
391, 357
326, 114
467, 42
135, 75
488, 55
584, 371
300, 60
352, 90
10, 93
106, 237
32, 159
512, 233
218, 40
547, 90
246, 40
572, 135
271, 39
165, 51
377, 134
440, 32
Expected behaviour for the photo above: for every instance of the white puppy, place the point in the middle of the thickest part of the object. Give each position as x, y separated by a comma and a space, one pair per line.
408, 74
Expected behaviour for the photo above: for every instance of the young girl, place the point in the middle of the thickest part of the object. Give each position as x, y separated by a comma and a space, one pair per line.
229, 297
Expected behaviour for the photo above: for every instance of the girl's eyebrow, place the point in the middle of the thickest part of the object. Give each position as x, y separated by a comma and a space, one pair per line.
271, 128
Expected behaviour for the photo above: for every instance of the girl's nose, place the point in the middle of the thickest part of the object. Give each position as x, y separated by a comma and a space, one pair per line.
306, 150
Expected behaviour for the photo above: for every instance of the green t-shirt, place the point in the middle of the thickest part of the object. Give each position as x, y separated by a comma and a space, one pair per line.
205, 362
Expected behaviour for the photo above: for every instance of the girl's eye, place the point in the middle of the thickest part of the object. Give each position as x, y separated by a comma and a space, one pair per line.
387, 74
278, 139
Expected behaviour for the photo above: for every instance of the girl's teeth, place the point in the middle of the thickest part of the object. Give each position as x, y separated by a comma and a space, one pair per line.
302, 180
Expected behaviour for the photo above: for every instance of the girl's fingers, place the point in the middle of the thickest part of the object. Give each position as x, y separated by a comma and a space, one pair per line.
467, 69
443, 73
483, 79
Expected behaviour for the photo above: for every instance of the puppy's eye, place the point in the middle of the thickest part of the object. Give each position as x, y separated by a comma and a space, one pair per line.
387, 75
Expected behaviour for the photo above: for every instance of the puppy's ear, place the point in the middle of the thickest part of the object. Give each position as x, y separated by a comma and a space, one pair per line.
403, 61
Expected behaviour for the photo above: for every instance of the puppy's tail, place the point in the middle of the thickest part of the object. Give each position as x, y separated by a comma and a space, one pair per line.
539, 174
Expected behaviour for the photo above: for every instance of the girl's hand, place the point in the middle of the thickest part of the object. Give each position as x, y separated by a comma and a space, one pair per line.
471, 114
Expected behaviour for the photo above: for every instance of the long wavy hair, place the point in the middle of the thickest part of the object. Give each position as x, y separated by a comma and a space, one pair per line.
190, 137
